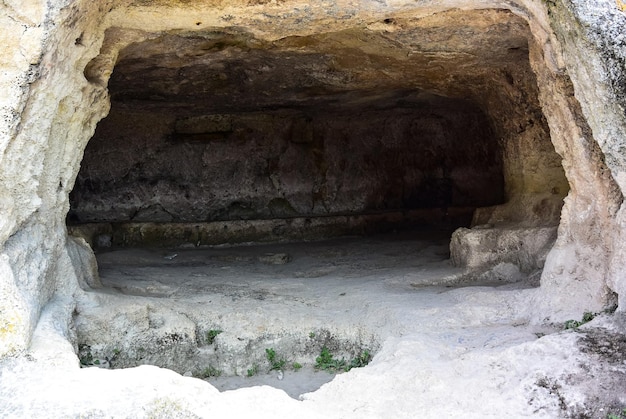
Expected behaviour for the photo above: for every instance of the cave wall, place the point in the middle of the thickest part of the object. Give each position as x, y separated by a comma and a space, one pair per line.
144, 166
50, 109
586, 107
48, 113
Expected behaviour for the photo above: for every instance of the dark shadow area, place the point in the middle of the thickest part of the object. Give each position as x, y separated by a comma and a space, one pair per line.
218, 130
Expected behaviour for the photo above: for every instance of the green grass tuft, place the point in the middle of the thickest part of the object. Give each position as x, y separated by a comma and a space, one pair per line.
327, 362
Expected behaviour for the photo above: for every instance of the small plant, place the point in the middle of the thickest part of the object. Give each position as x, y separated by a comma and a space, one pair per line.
253, 371
113, 358
588, 316
87, 359
311, 335
327, 362
211, 335
619, 415
361, 360
296, 366
323, 361
574, 324
210, 371
275, 363
85, 356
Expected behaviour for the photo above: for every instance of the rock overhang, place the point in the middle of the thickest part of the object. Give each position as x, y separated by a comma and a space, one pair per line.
447, 53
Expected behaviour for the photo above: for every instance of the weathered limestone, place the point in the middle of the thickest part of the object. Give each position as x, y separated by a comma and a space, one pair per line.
51, 100
59, 56
357, 163
484, 247
583, 261
167, 234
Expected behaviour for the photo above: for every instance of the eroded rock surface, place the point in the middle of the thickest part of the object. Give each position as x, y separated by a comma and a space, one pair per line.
405, 112
547, 75
141, 168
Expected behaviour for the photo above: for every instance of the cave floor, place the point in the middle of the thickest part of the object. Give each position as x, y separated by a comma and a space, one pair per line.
442, 347
310, 272
373, 286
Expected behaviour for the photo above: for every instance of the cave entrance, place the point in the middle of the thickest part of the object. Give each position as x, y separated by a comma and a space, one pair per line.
219, 137
218, 127
403, 161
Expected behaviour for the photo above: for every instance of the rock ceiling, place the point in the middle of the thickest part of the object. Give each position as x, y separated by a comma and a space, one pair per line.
393, 62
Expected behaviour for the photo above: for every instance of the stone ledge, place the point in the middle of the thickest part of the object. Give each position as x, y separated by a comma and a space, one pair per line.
100, 235
484, 247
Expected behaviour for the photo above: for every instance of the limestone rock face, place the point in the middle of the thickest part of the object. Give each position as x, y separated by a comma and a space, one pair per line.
141, 167
43, 130
548, 76
588, 114
525, 248
517, 107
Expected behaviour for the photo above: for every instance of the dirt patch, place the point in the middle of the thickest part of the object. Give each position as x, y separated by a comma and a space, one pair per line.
609, 346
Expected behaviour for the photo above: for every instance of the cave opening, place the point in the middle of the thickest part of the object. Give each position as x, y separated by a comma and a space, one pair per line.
341, 133
219, 137
360, 162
